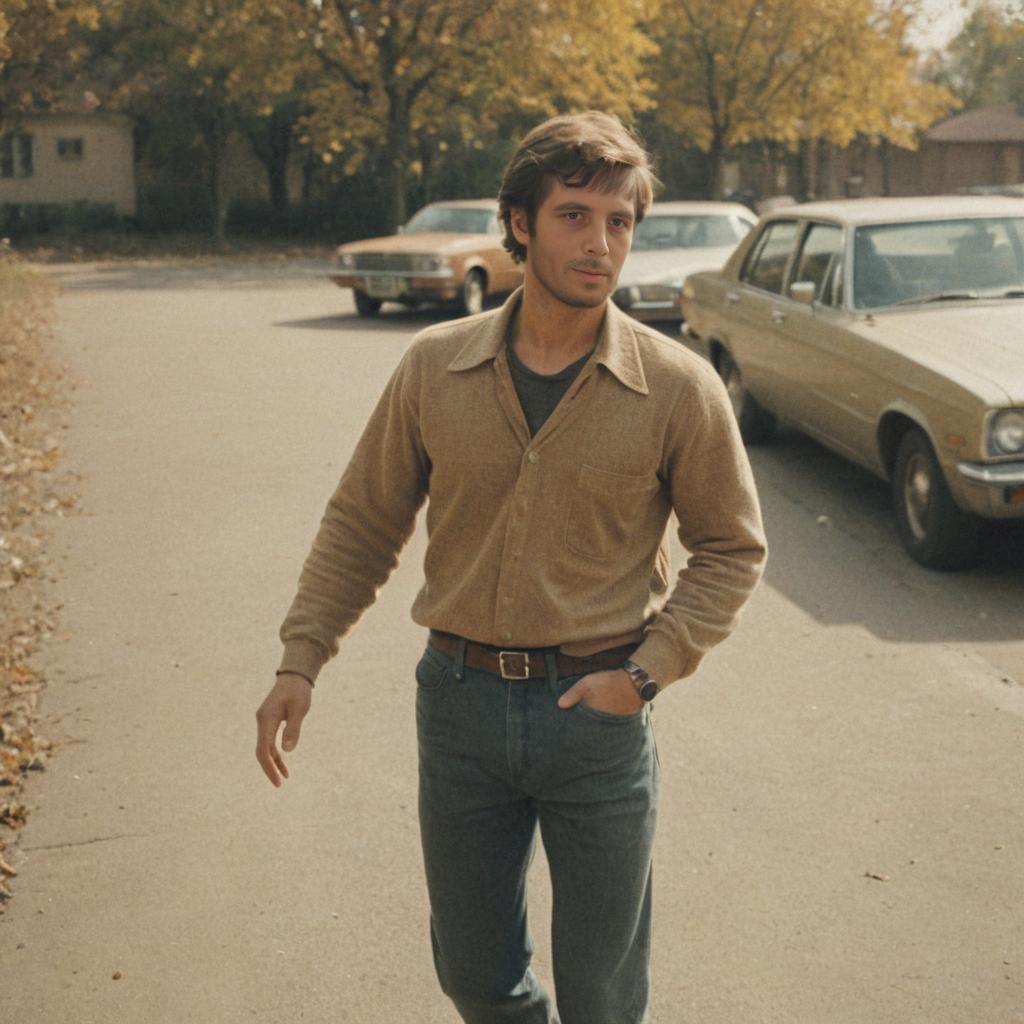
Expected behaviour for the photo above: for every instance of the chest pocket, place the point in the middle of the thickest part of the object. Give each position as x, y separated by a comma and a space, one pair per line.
606, 510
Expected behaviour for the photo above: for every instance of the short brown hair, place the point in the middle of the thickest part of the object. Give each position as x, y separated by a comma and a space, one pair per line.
579, 150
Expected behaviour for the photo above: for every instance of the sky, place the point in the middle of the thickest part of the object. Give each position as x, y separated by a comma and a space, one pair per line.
942, 20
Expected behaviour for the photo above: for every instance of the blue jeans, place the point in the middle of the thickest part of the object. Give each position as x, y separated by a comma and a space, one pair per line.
498, 758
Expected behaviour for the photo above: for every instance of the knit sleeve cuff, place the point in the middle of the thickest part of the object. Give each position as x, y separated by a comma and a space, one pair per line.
662, 661
303, 658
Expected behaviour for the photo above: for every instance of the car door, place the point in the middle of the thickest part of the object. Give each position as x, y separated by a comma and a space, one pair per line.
824, 363
751, 308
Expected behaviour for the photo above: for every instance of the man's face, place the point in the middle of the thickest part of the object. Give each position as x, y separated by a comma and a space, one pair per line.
581, 239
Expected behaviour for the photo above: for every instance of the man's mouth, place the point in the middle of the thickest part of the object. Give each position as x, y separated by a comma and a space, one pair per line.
590, 271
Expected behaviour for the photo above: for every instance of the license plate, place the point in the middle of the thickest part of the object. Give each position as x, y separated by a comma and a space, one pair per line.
383, 287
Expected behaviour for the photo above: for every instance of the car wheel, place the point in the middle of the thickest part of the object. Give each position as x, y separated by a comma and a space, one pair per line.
756, 424
933, 528
365, 306
471, 298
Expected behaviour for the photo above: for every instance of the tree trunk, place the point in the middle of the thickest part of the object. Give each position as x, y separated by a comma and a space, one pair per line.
272, 143
885, 153
277, 176
716, 161
215, 135
803, 183
396, 160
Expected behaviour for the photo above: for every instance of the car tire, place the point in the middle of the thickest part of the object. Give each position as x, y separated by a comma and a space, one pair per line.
365, 306
472, 294
756, 424
935, 531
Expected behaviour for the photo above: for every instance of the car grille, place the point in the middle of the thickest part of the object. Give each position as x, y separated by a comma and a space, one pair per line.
383, 261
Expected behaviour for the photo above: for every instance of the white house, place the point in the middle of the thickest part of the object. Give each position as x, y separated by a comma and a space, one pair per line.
69, 158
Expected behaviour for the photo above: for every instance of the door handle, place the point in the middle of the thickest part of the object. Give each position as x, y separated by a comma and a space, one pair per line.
778, 316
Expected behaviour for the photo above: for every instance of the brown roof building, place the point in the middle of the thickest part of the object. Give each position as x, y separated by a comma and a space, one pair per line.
1004, 123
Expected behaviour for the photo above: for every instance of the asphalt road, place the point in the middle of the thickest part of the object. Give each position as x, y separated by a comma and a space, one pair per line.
842, 833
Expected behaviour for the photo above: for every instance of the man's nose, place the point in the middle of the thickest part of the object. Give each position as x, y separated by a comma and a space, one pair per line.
595, 243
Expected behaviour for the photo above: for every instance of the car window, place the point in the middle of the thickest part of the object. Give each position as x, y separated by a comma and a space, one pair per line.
821, 250
463, 220
832, 292
766, 266
683, 231
900, 263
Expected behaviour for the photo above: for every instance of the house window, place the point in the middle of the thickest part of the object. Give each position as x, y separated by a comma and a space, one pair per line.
16, 156
71, 149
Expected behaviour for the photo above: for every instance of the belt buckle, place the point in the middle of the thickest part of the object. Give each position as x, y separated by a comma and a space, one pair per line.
511, 672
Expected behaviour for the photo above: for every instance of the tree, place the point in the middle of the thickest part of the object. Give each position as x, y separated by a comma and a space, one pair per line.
400, 74
207, 63
984, 64
790, 71
39, 52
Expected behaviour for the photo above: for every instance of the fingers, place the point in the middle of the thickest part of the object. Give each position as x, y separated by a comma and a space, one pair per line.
612, 692
290, 736
267, 754
574, 694
287, 702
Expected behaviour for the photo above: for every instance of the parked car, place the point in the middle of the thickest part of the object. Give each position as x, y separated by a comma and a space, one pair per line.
673, 240
448, 252
892, 331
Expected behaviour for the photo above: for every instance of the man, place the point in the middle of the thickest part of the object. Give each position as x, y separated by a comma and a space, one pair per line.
554, 436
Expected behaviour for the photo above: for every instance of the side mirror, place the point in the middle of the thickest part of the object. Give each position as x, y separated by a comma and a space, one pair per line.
803, 291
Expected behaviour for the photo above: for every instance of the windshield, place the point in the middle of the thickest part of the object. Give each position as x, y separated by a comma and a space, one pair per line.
684, 231
900, 264
462, 220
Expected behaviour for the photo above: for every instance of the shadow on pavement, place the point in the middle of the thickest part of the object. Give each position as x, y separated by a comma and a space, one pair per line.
392, 317
836, 555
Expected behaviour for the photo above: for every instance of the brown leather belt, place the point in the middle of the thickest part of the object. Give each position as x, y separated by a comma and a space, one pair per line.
528, 663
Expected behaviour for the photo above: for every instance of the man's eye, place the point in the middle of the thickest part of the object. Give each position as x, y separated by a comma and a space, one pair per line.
573, 215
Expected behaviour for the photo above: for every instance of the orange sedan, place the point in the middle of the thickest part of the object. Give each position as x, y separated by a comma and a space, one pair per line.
449, 252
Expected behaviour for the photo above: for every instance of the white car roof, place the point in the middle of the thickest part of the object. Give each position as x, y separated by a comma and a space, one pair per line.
893, 209
684, 206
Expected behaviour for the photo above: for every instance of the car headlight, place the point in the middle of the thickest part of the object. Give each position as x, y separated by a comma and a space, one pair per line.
347, 260
1006, 432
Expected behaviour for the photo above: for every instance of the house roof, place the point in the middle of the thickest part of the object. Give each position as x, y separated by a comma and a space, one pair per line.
1003, 123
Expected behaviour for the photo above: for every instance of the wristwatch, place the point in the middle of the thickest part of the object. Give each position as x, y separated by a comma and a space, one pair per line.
646, 687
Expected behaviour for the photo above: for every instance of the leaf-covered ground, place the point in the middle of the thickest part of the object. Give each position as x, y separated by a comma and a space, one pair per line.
32, 491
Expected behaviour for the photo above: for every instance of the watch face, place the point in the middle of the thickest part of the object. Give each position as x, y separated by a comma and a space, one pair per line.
649, 690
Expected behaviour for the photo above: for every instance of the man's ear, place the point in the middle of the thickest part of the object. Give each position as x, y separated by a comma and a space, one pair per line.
520, 225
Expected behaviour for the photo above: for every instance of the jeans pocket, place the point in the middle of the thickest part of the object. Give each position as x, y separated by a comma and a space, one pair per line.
432, 670
609, 717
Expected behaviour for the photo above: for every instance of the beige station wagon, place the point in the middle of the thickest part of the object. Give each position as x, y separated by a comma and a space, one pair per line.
449, 252
892, 331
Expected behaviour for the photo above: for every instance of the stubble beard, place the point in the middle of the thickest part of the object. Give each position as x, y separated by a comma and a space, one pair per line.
573, 301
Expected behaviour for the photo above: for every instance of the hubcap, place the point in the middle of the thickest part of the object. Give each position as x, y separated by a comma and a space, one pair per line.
917, 495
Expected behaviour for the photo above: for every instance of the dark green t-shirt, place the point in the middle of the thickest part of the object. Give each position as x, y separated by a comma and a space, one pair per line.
539, 393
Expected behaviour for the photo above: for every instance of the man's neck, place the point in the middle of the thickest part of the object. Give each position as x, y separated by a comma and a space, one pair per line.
548, 335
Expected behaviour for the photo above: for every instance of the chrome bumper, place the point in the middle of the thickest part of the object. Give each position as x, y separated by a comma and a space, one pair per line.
1004, 474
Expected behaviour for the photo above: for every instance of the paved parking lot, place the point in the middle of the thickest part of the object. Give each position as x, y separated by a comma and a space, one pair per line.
841, 837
